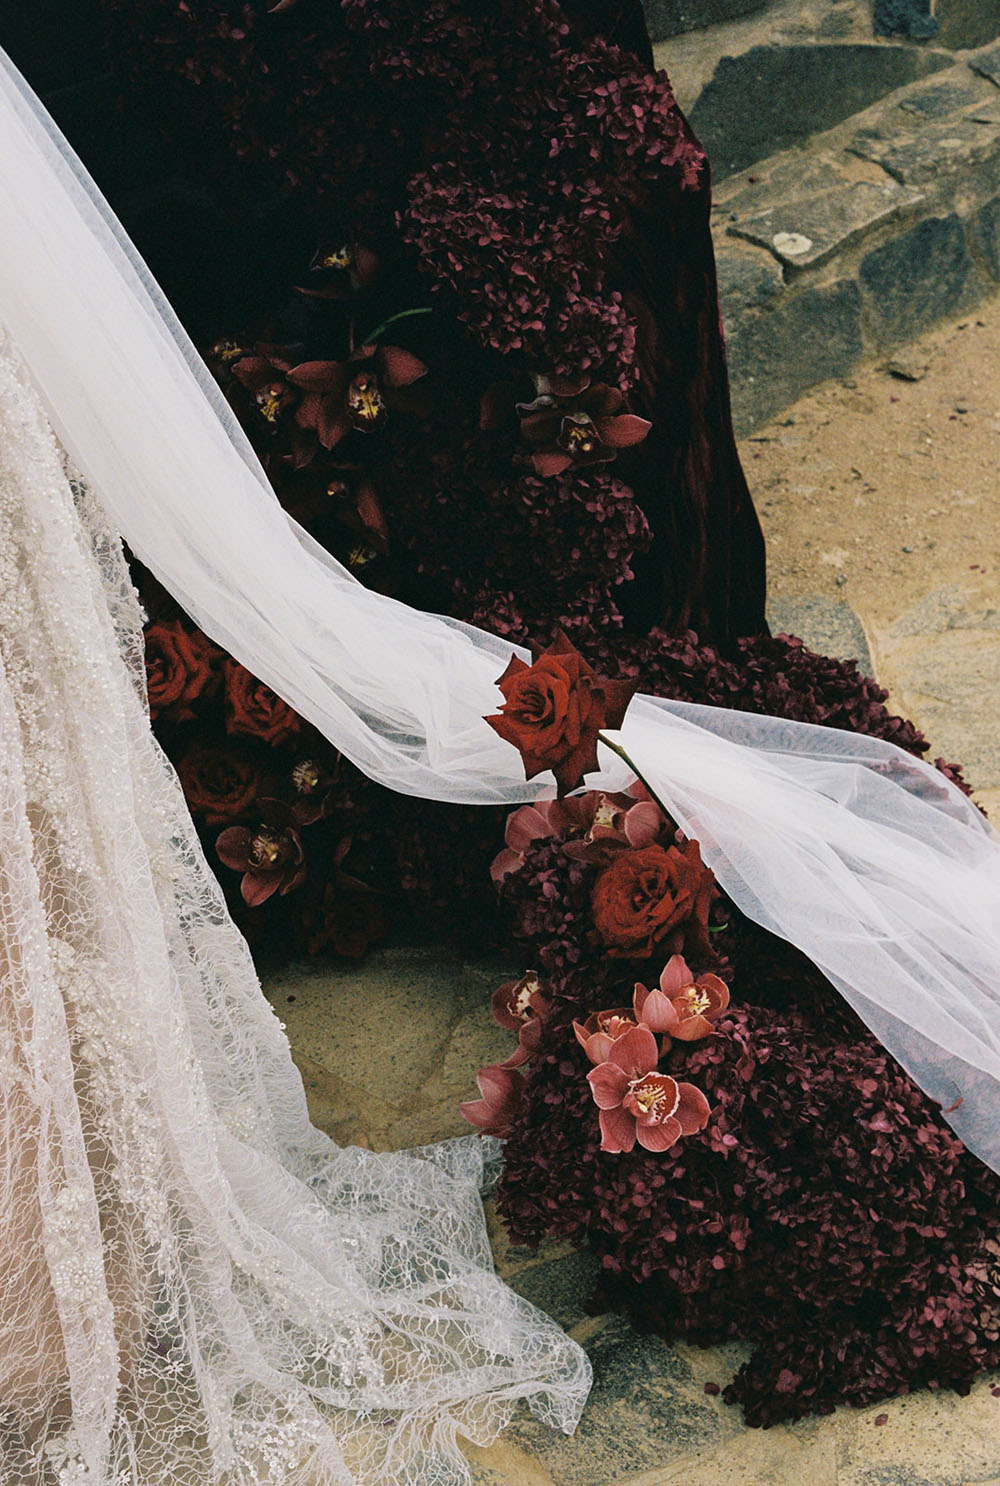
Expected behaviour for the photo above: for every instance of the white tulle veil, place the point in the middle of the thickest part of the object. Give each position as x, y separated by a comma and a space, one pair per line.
867, 859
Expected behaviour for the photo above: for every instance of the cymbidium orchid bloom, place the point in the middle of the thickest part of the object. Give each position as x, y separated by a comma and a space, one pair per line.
682, 1005
579, 428
521, 1006
353, 394
269, 855
639, 1104
263, 376
502, 1090
340, 271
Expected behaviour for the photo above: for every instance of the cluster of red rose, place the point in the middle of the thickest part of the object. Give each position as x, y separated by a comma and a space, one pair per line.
242, 755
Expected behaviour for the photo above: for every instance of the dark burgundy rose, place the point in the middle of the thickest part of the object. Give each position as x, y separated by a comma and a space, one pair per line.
220, 784
578, 428
269, 854
651, 896
255, 710
181, 664
353, 394
345, 921
554, 710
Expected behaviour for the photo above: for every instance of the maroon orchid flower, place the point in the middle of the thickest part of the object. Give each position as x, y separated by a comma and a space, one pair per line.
312, 783
522, 1006
269, 855
342, 491
530, 392
502, 1091
262, 375
341, 271
580, 428
554, 710
353, 394
639, 1104
684, 1006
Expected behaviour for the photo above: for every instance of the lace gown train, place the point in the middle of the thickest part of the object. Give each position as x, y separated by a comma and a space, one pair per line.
197, 1286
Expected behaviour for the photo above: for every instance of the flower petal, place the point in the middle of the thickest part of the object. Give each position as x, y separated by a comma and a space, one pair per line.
550, 464
636, 1053
660, 1137
398, 368
693, 1109
675, 976
659, 1013
607, 1083
624, 431
617, 1130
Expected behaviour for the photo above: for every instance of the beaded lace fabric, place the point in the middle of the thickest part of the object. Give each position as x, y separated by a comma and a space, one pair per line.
197, 1286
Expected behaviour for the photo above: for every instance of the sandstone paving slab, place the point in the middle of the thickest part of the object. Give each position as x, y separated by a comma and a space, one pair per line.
808, 230
388, 1047
828, 626
941, 661
915, 157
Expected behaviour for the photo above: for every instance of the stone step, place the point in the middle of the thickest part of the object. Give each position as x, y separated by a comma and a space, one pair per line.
846, 247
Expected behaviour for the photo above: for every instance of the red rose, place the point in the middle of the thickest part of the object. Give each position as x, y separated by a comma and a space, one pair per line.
180, 664
219, 783
254, 709
554, 711
650, 894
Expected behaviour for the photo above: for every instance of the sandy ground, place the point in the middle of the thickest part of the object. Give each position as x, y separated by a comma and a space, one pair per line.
881, 492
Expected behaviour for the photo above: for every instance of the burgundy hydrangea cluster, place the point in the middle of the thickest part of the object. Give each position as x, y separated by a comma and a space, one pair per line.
825, 1213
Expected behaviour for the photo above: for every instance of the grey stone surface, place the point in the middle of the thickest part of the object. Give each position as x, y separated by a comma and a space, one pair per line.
967, 23
828, 626
987, 235
904, 18
671, 17
811, 229
560, 1287
987, 64
913, 280
774, 354
938, 99
747, 279
772, 97
648, 1408
921, 155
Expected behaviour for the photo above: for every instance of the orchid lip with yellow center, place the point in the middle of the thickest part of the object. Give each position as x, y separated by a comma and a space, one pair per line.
337, 258
306, 777
269, 402
521, 1004
696, 1001
227, 351
265, 847
653, 1095
578, 436
364, 399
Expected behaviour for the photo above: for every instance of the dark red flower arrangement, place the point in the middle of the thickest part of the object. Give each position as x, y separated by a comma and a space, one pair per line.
762, 1171
823, 1212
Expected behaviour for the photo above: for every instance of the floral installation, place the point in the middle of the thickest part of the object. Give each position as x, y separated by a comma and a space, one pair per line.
473, 380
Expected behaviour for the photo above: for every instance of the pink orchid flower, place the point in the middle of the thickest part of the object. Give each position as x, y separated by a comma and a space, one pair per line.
502, 1091
637, 1103
683, 1006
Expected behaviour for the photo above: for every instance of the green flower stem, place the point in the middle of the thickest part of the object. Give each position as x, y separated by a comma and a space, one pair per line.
402, 315
619, 750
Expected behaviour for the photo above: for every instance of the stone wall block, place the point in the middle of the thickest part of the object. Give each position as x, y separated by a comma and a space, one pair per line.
802, 339
917, 278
